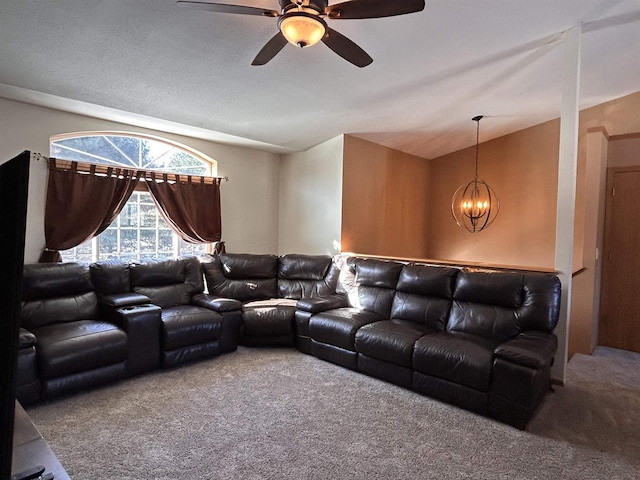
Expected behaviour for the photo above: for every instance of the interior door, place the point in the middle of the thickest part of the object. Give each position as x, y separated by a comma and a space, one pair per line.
620, 302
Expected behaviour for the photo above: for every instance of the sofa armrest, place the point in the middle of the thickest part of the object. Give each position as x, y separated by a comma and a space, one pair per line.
320, 304
217, 304
143, 324
119, 300
27, 339
530, 349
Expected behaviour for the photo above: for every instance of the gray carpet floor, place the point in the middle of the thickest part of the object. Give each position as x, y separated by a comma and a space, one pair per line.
280, 414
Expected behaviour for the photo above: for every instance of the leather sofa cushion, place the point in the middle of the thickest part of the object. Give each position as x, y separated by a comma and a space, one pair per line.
390, 340
168, 295
47, 280
338, 327
424, 294
240, 266
457, 357
157, 273
429, 311
260, 283
488, 321
268, 318
427, 280
303, 267
110, 277
53, 310
185, 325
503, 304
306, 276
377, 273
168, 283
375, 283
69, 348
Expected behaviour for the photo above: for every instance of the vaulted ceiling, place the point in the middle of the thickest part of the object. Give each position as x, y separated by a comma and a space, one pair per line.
432, 71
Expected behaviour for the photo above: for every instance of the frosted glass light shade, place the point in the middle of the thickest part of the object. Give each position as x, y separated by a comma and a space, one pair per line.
302, 29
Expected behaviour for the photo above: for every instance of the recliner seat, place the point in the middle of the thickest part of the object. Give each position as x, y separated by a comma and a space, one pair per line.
76, 348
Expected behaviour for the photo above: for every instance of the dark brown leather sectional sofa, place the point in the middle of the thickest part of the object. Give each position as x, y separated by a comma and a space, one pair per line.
478, 339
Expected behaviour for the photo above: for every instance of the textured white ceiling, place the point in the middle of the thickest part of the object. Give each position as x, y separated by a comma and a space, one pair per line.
432, 70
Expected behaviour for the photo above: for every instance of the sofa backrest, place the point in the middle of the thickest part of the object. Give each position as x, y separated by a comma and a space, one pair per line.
167, 283
110, 277
242, 276
424, 294
372, 287
56, 293
500, 305
303, 276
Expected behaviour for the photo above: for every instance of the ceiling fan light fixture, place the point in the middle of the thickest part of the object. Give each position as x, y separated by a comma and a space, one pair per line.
302, 29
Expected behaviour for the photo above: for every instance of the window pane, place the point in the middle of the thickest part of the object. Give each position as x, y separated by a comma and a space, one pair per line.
147, 241
187, 248
129, 214
95, 145
129, 243
108, 242
154, 153
145, 197
130, 146
84, 248
165, 241
148, 215
83, 258
161, 223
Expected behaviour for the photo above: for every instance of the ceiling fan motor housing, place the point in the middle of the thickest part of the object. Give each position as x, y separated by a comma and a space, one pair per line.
315, 5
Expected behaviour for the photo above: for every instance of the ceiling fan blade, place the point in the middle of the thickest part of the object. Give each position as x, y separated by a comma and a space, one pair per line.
226, 8
270, 50
346, 48
373, 8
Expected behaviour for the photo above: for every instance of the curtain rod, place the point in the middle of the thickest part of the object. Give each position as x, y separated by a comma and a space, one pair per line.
102, 168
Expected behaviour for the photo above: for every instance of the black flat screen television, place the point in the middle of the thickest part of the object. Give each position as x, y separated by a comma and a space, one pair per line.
14, 185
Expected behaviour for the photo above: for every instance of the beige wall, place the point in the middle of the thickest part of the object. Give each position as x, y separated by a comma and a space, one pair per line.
249, 199
385, 200
310, 206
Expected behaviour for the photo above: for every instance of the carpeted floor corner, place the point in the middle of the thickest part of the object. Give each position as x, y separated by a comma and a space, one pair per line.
280, 414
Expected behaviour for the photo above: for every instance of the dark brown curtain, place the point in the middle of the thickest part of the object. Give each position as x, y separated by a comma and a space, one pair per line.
82, 205
190, 206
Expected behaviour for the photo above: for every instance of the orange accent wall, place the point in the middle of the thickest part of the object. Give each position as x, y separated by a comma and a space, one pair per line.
395, 204
522, 168
384, 197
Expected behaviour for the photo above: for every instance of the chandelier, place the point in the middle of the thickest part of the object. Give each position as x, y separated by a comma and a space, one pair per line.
475, 205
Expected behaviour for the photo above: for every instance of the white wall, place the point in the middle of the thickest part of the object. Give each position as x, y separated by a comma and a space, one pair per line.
310, 206
249, 200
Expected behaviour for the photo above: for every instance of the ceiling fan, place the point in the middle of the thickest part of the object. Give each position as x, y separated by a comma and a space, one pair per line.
301, 23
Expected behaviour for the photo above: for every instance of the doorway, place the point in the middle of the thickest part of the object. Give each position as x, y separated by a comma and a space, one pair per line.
619, 325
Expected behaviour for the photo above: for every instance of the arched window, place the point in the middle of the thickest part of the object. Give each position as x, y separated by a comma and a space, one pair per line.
139, 231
